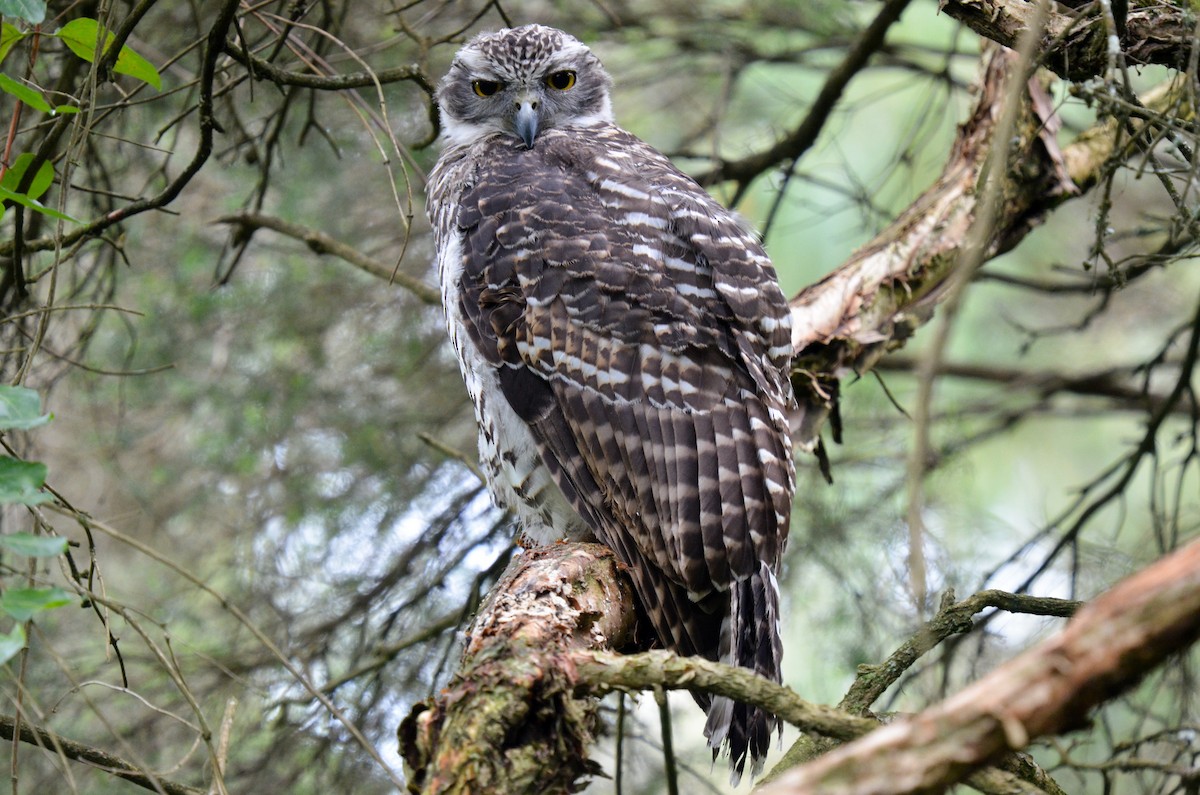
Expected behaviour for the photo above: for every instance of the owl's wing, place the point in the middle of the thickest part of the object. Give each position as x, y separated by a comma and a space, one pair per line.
638, 329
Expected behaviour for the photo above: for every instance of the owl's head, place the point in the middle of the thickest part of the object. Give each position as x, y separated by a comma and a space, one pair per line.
521, 82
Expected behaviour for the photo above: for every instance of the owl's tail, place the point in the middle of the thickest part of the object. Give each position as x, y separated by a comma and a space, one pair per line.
749, 639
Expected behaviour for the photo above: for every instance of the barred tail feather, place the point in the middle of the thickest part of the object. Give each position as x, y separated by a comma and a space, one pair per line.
749, 639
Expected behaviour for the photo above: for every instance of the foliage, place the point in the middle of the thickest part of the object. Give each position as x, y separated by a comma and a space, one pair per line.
261, 460
21, 483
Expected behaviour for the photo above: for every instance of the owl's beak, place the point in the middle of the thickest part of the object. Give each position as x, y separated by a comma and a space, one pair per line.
526, 123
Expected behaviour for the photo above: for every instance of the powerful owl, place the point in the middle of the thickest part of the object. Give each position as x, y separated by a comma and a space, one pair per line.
626, 344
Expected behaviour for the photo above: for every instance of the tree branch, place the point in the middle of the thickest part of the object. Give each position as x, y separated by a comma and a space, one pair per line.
877, 299
1107, 648
321, 243
799, 140
1074, 42
952, 619
261, 69
1113, 384
109, 763
518, 717
603, 672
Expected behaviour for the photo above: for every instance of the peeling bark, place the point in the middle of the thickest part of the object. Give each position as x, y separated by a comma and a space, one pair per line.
1074, 43
876, 300
510, 722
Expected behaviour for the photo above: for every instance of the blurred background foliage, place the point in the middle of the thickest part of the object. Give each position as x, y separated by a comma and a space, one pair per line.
236, 410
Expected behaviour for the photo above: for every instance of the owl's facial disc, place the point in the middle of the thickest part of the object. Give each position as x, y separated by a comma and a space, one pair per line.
522, 82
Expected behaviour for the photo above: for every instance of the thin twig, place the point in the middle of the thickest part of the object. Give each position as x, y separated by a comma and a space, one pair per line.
110, 763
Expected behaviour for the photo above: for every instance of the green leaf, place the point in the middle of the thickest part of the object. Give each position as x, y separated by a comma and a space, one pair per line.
12, 643
82, 35
134, 65
35, 205
23, 603
32, 11
16, 172
20, 408
32, 546
21, 482
24, 93
9, 35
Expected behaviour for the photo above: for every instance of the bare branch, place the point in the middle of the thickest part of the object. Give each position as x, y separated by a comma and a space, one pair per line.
1108, 647
109, 763
321, 243
1112, 384
262, 69
799, 140
951, 619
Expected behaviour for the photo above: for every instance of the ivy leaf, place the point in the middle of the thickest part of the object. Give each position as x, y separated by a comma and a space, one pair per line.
82, 36
24, 93
21, 482
24, 603
12, 643
20, 408
9, 35
32, 11
32, 546
16, 172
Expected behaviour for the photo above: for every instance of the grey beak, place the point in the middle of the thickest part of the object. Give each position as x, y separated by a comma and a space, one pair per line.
527, 122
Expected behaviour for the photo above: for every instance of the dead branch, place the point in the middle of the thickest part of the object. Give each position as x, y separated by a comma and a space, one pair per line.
1107, 648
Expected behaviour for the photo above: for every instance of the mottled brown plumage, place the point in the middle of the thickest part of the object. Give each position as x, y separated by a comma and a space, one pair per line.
626, 345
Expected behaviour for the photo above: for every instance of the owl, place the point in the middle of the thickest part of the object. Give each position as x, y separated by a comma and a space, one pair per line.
626, 345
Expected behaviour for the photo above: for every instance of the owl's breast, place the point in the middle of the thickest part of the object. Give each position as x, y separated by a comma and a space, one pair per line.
517, 476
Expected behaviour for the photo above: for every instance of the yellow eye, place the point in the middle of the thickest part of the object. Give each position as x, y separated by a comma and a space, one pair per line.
485, 88
561, 80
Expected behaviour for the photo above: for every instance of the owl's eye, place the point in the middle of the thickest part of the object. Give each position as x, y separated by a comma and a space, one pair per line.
485, 88
561, 80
